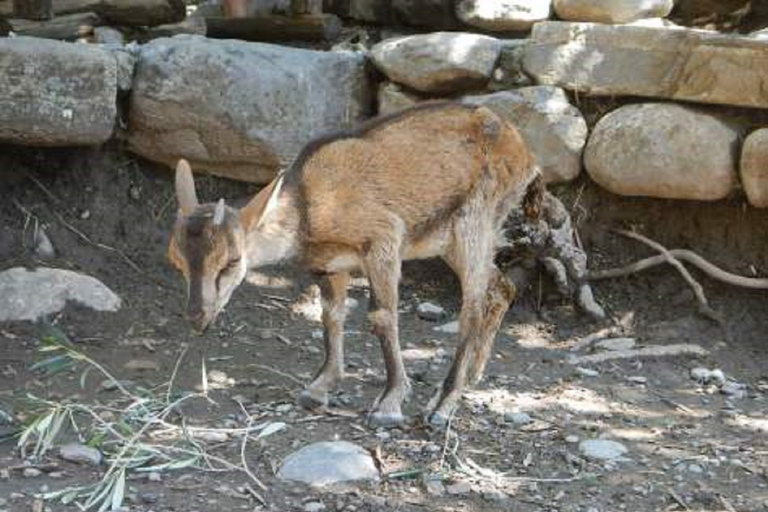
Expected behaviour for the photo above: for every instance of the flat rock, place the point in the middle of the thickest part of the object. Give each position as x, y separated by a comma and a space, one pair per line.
237, 109
430, 311
616, 344
503, 15
80, 454
674, 63
55, 93
754, 168
329, 462
30, 295
663, 150
440, 62
602, 449
611, 11
554, 130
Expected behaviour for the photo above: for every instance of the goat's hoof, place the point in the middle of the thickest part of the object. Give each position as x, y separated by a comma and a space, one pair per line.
313, 399
378, 419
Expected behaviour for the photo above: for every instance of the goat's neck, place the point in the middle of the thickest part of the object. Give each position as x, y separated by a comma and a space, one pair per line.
274, 237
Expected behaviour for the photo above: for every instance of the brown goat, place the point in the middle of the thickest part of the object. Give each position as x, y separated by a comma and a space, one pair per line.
437, 180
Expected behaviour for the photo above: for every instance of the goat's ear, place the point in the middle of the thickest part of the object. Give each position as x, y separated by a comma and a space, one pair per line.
185, 187
251, 214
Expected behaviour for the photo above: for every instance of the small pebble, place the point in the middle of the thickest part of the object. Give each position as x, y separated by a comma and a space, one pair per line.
154, 476
695, 468
314, 506
32, 472
572, 439
430, 311
459, 487
518, 418
587, 372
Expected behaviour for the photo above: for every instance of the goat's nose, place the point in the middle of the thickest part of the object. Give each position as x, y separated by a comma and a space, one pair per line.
199, 321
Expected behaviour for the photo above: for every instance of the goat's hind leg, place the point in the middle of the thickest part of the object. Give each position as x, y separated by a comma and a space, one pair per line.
333, 293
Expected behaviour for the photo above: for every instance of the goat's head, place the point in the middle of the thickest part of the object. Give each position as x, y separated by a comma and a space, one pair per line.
208, 248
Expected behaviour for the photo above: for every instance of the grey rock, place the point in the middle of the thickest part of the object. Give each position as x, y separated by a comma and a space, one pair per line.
449, 328
56, 94
314, 506
572, 439
754, 167
434, 487
30, 295
495, 496
430, 311
616, 344
663, 150
108, 35
611, 11
393, 98
503, 15
518, 418
637, 379
252, 110
329, 462
31, 473
624, 60
458, 488
694, 468
717, 377
81, 454
43, 246
587, 372
554, 130
441, 62
735, 390
602, 449
700, 374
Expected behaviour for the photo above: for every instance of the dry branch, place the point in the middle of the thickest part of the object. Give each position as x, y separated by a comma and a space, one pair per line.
652, 351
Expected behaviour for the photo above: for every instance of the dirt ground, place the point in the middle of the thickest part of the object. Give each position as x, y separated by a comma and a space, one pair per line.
690, 447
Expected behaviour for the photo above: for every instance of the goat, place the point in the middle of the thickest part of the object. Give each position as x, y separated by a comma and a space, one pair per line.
436, 180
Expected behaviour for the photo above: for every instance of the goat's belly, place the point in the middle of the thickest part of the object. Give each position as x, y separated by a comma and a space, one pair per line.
429, 246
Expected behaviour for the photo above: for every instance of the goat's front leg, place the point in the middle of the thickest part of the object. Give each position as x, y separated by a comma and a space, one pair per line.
383, 269
333, 296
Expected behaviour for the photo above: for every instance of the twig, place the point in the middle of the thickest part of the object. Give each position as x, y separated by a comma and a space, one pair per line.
650, 351
678, 500
246, 469
173, 375
277, 372
698, 291
684, 255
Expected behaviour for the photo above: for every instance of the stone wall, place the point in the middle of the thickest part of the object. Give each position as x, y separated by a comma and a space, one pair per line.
693, 123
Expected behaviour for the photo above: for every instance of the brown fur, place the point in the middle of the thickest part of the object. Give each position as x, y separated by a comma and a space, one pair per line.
436, 180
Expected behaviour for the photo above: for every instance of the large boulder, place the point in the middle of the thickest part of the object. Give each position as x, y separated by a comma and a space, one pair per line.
654, 62
441, 62
240, 110
553, 128
503, 15
612, 11
56, 94
754, 167
31, 295
663, 150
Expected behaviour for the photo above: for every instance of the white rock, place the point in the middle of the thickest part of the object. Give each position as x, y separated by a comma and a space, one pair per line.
449, 328
625, 60
554, 130
30, 295
616, 344
572, 439
81, 454
430, 311
754, 167
326, 463
663, 150
700, 374
695, 468
734, 390
611, 11
314, 506
637, 379
602, 449
587, 372
518, 418
439, 62
503, 15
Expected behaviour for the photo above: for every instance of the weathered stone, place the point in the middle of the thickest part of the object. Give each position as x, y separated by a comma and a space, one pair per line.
440, 62
108, 35
393, 97
602, 449
509, 73
611, 11
56, 94
503, 15
430, 311
236, 109
81, 454
675, 63
663, 150
29, 295
328, 463
553, 128
436, 14
754, 168
125, 58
